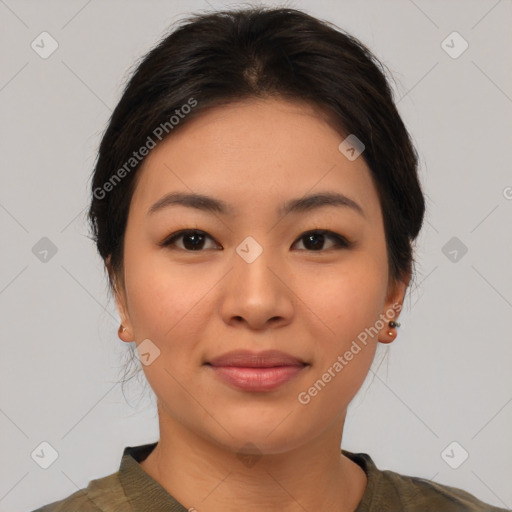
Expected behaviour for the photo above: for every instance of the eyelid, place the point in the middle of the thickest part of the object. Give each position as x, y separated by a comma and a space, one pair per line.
168, 241
340, 241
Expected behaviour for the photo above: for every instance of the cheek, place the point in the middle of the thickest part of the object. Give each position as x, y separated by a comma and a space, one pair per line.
349, 304
163, 300
347, 299
164, 307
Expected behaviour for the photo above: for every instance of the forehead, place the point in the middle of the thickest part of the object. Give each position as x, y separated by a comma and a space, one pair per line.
254, 152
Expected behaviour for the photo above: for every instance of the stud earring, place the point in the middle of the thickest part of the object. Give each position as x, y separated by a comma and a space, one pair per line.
392, 325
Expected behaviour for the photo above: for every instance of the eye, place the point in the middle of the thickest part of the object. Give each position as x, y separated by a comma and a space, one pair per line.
192, 240
315, 240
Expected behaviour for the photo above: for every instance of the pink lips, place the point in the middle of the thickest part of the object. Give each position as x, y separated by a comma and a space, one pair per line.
261, 371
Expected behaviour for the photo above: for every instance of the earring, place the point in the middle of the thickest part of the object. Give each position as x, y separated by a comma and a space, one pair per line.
392, 325
121, 329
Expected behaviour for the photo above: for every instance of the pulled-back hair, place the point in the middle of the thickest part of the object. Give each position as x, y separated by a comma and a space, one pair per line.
216, 58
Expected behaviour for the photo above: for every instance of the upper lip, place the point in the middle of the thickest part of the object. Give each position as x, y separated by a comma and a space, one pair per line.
264, 359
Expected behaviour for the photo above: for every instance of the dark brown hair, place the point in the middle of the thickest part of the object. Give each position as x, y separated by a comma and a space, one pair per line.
216, 58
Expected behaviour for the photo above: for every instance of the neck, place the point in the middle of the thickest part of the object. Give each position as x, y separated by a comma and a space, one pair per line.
205, 476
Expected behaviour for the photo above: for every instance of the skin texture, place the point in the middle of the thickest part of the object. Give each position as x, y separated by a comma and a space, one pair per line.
195, 305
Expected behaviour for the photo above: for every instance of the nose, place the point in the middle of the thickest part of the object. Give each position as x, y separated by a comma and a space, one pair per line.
257, 293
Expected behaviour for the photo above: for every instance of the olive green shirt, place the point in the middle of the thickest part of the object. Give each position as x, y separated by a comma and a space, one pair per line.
131, 489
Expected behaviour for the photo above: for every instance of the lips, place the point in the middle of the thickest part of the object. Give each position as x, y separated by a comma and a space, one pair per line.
256, 371
248, 359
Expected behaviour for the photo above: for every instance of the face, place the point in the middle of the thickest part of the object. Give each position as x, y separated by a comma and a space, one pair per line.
256, 271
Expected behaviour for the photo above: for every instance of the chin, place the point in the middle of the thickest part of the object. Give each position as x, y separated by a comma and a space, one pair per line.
250, 433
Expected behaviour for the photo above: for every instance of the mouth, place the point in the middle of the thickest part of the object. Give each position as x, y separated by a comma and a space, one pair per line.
248, 359
256, 371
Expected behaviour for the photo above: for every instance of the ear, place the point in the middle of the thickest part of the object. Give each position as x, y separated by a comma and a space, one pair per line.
125, 331
393, 306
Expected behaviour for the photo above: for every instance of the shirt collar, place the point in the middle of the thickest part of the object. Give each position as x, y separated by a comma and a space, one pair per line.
147, 495
144, 493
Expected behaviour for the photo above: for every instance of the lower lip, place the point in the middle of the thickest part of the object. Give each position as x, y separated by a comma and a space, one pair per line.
257, 379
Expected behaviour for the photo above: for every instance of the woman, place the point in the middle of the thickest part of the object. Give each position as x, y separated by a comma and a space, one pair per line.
256, 200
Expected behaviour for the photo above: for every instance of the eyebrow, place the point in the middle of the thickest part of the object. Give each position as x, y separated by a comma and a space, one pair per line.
211, 204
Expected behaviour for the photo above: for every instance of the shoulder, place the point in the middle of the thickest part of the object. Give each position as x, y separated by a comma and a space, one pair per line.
390, 491
418, 494
101, 495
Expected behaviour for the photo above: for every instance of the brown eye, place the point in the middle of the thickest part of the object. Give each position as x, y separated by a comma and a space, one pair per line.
191, 240
316, 240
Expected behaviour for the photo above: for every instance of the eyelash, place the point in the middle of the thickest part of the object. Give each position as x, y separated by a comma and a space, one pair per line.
340, 242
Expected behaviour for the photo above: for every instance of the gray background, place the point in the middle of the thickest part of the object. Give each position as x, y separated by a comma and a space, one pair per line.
447, 376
